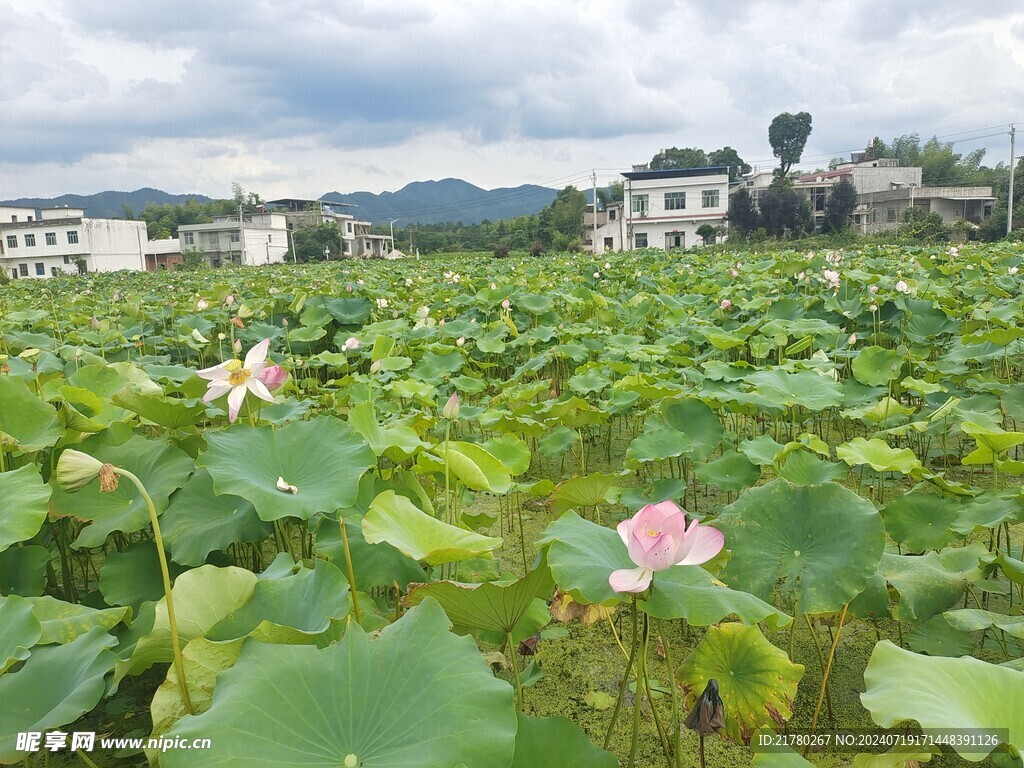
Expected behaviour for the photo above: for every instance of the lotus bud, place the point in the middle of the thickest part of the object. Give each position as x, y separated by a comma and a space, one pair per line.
94, 324
201, 305
108, 479
229, 299
348, 288
375, 366
597, 275
852, 340
451, 408
725, 306
460, 341
284, 322
506, 304
273, 376
237, 346
75, 470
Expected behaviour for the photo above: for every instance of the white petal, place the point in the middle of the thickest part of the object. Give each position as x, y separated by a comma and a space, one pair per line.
215, 390
215, 373
259, 389
235, 398
257, 354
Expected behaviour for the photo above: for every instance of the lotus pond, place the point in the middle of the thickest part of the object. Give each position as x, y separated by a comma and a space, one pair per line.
651, 510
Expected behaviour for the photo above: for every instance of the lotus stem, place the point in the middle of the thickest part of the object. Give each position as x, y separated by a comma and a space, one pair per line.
515, 672
165, 573
625, 680
821, 663
828, 668
351, 573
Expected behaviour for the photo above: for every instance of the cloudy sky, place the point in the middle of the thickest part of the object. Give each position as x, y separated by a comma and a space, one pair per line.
301, 97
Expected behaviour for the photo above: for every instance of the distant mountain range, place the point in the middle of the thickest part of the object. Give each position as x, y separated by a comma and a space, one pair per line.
422, 202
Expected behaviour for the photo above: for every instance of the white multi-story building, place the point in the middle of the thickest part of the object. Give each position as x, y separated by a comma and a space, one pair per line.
355, 237
252, 239
664, 209
66, 240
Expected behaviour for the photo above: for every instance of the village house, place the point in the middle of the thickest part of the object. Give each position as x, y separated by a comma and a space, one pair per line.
664, 208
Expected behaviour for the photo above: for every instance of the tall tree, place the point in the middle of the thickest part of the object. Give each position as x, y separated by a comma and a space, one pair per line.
730, 157
687, 157
839, 206
562, 221
788, 134
785, 212
742, 214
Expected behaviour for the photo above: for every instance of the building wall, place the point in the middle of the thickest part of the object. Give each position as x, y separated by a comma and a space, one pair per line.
12, 214
105, 245
660, 222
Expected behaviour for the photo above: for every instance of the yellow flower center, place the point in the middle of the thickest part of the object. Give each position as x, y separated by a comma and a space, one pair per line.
235, 378
654, 533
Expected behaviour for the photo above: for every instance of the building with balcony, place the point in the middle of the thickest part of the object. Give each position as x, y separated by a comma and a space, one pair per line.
664, 209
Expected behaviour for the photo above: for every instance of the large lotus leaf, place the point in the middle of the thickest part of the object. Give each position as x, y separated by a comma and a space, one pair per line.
162, 468
399, 522
349, 311
881, 412
937, 637
921, 520
805, 548
556, 742
512, 451
374, 565
991, 442
19, 630
987, 511
23, 570
203, 661
491, 606
878, 455
925, 586
756, 681
472, 464
557, 442
589, 491
691, 593
171, 412
32, 423
132, 575
198, 521
804, 468
290, 604
804, 388
202, 597
972, 619
698, 422
57, 685
323, 458
731, 471
762, 450
62, 622
415, 697
877, 366
656, 444
402, 440
25, 497
944, 693
582, 555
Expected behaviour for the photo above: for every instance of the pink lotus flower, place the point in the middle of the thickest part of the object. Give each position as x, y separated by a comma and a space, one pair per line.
725, 306
734, 273
273, 377
506, 304
451, 408
873, 288
902, 287
234, 378
657, 538
350, 343
201, 305
832, 276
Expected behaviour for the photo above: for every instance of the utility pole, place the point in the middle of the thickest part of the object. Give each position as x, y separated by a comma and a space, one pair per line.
392, 222
1009, 197
241, 230
593, 182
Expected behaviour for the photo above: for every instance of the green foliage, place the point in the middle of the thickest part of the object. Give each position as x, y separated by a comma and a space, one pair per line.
311, 243
192, 260
920, 226
788, 134
742, 216
839, 207
785, 213
707, 233
691, 157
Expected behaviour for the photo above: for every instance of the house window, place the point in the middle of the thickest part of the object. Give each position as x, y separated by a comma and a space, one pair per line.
51, 238
640, 239
14, 274
23, 270
611, 214
236, 237
709, 198
890, 215
73, 237
270, 238
189, 238
609, 244
40, 269
30, 241
675, 201
12, 241
67, 259
14, 219
674, 240
350, 227
640, 204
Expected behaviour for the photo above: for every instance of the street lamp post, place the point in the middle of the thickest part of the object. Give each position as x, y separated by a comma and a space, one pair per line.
392, 222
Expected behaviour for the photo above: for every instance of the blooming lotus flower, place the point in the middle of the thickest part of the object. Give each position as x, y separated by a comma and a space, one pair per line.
234, 378
229, 299
657, 538
725, 306
201, 305
1013, 270
902, 287
832, 276
350, 343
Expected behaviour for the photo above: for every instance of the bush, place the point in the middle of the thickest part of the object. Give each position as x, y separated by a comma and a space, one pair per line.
192, 260
537, 248
501, 251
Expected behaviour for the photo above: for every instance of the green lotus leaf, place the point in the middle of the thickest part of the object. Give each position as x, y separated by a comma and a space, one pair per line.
944, 693
473, 465
804, 388
698, 422
877, 366
756, 681
589, 491
804, 468
170, 412
323, 458
383, 701
132, 575
162, 468
512, 451
374, 565
657, 444
990, 442
202, 660
881, 412
762, 449
582, 555
198, 522
26, 503
921, 520
879, 456
23, 570
291, 604
557, 442
32, 423
397, 521
804, 548
972, 619
731, 471
556, 742
202, 598
349, 311
937, 637
691, 593
19, 630
491, 606
925, 585
62, 622
397, 440
57, 685
988, 511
